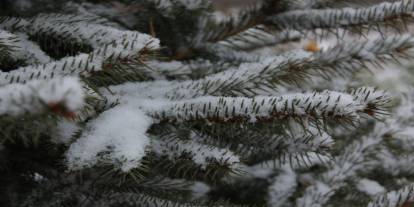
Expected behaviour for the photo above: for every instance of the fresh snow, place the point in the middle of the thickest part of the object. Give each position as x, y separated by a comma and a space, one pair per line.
201, 154
117, 136
370, 187
282, 187
37, 96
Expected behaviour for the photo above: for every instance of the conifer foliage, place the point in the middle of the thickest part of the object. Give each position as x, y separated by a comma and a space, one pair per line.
302, 103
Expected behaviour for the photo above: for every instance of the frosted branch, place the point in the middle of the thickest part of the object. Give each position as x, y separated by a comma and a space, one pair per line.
294, 149
400, 198
355, 157
219, 27
258, 37
18, 47
346, 17
83, 64
282, 187
263, 78
60, 95
200, 154
86, 32
312, 106
348, 57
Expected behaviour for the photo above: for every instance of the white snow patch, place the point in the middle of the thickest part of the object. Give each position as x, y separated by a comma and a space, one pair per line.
36, 96
65, 130
120, 131
370, 187
283, 186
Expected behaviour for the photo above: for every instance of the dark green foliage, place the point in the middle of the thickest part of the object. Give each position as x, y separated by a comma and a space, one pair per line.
33, 163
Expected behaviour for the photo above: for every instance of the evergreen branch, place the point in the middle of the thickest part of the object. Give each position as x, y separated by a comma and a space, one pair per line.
63, 96
13, 24
24, 25
353, 158
186, 70
15, 48
385, 13
167, 186
71, 19
83, 31
183, 155
30, 52
299, 160
81, 194
259, 37
257, 142
400, 198
168, 5
312, 106
249, 79
27, 130
395, 164
183, 167
138, 181
121, 71
57, 35
83, 64
231, 54
210, 118
252, 79
214, 30
347, 3
375, 101
299, 152
8, 45
134, 199
344, 58
200, 154
282, 187
248, 16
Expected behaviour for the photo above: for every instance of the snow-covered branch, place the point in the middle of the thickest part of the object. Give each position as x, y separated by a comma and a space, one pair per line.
296, 149
218, 27
20, 48
83, 64
400, 198
200, 154
63, 96
355, 157
250, 79
282, 187
307, 106
7, 44
258, 37
89, 32
346, 17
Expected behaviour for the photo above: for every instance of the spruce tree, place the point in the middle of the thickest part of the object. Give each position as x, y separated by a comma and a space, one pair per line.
305, 103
